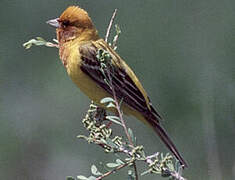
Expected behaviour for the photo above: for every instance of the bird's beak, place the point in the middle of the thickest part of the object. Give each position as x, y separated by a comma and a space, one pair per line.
54, 22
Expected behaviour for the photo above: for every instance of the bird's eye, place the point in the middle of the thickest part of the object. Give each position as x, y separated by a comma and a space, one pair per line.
65, 23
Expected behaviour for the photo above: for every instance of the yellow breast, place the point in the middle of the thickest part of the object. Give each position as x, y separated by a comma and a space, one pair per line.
86, 84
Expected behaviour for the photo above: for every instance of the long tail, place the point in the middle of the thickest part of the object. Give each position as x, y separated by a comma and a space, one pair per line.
167, 141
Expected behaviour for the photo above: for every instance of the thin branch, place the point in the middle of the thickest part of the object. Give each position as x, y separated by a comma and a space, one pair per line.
49, 44
122, 121
112, 171
135, 170
38, 41
113, 91
119, 110
110, 25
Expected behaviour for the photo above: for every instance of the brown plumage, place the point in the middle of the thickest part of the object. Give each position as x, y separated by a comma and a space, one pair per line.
78, 46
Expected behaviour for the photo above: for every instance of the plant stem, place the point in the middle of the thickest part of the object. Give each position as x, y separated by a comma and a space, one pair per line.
110, 25
112, 171
114, 94
122, 120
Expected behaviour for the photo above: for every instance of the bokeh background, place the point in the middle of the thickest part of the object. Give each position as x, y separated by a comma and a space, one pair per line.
183, 52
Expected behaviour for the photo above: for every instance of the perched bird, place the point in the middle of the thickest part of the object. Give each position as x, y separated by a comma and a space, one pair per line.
79, 44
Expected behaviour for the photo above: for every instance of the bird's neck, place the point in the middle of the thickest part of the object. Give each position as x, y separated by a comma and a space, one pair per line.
78, 35
65, 46
88, 35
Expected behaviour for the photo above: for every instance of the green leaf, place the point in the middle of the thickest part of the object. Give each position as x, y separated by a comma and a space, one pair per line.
111, 105
107, 100
112, 165
118, 30
119, 161
95, 171
103, 141
92, 178
38, 42
170, 166
82, 137
145, 172
110, 143
131, 175
56, 41
82, 177
114, 119
130, 132
40, 39
70, 178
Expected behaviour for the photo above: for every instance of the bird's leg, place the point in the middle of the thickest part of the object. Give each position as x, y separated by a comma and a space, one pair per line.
100, 115
109, 124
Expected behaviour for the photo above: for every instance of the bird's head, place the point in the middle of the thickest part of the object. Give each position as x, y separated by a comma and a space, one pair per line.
74, 23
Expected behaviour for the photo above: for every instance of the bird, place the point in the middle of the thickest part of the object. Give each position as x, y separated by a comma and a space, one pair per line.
79, 45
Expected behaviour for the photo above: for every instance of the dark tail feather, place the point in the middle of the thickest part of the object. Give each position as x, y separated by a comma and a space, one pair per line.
166, 139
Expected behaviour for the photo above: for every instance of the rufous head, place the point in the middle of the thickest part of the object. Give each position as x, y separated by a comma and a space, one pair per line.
73, 23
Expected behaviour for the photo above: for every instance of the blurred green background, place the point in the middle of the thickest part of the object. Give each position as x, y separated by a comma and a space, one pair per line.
183, 52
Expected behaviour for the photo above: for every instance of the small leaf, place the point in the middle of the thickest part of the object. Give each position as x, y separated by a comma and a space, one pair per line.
27, 45
112, 165
118, 30
107, 100
40, 39
82, 177
170, 166
92, 178
82, 137
70, 178
103, 141
131, 175
111, 143
119, 161
111, 105
56, 41
106, 81
114, 119
145, 172
120, 102
130, 132
95, 171
38, 42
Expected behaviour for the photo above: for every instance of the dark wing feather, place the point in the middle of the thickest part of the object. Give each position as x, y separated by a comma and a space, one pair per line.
126, 90
124, 86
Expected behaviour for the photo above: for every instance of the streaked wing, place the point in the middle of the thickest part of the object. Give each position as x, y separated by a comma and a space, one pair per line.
125, 88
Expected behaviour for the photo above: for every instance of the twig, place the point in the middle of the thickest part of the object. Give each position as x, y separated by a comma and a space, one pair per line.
157, 165
110, 25
112, 171
122, 121
114, 94
119, 110
49, 44
38, 41
111, 85
135, 170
